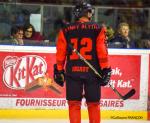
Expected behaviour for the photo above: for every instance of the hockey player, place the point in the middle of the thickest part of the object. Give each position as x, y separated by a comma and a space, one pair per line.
89, 39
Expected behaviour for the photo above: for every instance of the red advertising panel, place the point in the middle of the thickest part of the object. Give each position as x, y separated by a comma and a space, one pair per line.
21, 69
125, 76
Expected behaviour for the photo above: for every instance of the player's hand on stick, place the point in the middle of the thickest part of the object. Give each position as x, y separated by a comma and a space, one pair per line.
106, 74
59, 76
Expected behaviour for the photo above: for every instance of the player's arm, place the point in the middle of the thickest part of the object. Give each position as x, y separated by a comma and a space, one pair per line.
102, 52
101, 48
61, 49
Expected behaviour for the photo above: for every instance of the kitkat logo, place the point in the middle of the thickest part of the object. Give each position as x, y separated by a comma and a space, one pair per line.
18, 72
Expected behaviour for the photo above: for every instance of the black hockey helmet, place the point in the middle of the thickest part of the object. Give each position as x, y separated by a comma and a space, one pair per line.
82, 8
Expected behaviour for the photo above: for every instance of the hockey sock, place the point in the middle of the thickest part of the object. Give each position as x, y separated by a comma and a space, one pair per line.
94, 112
74, 111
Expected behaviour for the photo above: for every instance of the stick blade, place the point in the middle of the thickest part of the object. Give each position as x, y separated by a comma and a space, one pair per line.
129, 94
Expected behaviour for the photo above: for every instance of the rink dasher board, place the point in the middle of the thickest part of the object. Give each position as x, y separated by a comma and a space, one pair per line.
141, 103
131, 107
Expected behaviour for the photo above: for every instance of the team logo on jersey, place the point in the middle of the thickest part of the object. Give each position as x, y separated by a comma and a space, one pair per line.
20, 71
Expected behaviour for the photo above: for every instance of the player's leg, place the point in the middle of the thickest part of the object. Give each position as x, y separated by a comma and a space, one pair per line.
92, 95
94, 112
74, 111
74, 96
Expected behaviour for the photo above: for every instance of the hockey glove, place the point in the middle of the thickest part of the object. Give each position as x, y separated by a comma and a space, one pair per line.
106, 74
59, 76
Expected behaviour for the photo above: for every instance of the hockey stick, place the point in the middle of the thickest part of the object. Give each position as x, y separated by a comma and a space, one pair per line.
126, 96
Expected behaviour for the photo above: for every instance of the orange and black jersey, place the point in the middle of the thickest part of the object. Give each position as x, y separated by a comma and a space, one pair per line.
90, 41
